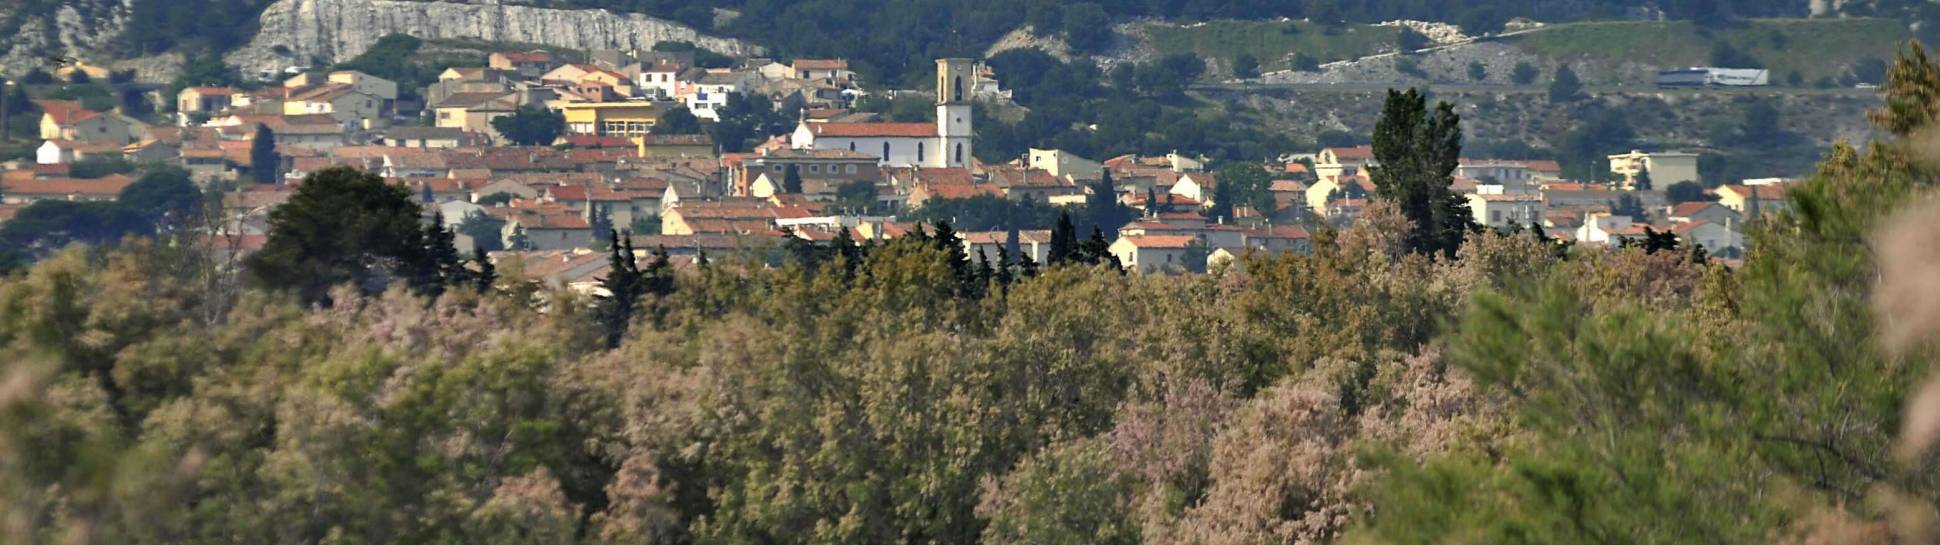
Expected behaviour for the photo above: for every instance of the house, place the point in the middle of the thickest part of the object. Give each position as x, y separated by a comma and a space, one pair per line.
1197, 186
928, 191
513, 188
56, 152
1279, 239
1665, 168
1752, 201
474, 112
1030, 184
477, 74
1608, 229
829, 70
1338, 162
68, 120
344, 102
611, 118
548, 230
605, 85
737, 215
1500, 210
1325, 191
822, 171
1187, 224
1153, 253
29, 190
946, 143
707, 95
1064, 164
660, 80
1513, 177
1035, 244
384, 89
1717, 239
528, 64
568, 74
1703, 211
207, 101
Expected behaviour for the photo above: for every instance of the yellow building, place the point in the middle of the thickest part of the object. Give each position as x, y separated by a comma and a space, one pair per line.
609, 118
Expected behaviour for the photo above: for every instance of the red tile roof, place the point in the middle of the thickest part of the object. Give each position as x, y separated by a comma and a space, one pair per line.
1161, 241
905, 130
821, 64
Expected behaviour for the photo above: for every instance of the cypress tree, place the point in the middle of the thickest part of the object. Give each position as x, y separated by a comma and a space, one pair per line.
624, 285
1096, 249
791, 180
981, 280
659, 275
1642, 181
438, 264
1064, 241
1004, 274
264, 162
600, 218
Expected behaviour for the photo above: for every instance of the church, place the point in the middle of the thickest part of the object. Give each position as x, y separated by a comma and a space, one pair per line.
945, 143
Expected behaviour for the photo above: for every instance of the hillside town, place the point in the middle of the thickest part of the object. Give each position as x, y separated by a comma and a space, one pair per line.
617, 163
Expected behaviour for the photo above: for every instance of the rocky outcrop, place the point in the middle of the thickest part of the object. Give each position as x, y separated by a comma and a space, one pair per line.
80, 29
298, 32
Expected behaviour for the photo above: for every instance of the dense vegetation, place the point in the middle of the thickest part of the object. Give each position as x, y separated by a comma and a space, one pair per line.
1373, 392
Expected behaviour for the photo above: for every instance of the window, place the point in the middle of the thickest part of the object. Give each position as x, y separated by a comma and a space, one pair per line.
852, 169
814, 169
959, 152
919, 152
885, 151
852, 146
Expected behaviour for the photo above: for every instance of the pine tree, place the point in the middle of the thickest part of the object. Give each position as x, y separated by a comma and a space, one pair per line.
1417, 153
1642, 181
441, 265
1566, 87
983, 276
659, 274
1064, 242
851, 254
1026, 267
1096, 249
947, 240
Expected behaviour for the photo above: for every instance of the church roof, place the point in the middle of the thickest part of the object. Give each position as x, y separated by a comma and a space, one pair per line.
903, 130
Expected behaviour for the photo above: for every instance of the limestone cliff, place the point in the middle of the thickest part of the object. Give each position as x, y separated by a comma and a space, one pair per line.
81, 29
294, 32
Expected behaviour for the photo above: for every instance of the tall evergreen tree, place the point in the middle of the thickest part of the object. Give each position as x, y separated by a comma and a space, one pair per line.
265, 164
1642, 181
1417, 153
791, 180
441, 265
658, 277
624, 285
601, 220
1064, 242
1102, 209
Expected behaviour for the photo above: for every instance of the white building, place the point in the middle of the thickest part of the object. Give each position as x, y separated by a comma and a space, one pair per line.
1499, 211
944, 144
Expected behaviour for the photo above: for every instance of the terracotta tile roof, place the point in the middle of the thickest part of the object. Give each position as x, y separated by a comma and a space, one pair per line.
1357, 152
1161, 241
596, 141
1687, 209
903, 130
525, 56
66, 112
106, 186
566, 192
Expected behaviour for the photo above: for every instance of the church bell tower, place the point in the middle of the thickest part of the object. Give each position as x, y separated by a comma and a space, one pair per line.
954, 81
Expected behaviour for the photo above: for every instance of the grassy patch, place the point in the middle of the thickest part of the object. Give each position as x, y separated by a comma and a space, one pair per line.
1815, 48
1271, 41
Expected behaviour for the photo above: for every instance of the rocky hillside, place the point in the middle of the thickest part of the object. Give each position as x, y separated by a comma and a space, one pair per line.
70, 28
298, 32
